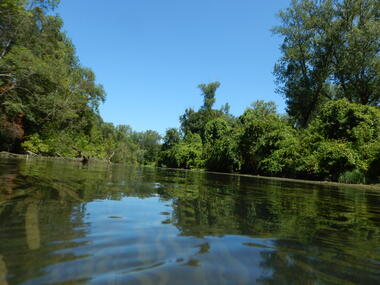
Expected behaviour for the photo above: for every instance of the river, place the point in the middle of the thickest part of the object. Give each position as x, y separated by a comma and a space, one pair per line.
66, 223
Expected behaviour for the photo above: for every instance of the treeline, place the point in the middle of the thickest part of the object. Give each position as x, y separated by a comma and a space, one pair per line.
341, 143
328, 73
48, 101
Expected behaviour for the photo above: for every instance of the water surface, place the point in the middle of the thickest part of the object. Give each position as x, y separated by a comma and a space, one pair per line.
64, 223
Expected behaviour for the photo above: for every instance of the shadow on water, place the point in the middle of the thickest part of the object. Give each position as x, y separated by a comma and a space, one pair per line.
68, 222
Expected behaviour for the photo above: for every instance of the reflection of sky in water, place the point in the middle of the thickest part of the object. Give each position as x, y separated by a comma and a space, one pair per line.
127, 241
62, 222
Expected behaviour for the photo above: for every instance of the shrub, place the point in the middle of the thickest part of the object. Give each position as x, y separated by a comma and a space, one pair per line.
371, 155
335, 158
35, 144
265, 143
353, 177
345, 121
185, 154
220, 150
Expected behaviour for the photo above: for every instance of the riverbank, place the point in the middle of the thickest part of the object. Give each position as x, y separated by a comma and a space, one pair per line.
283, 179
304, 181
41, 157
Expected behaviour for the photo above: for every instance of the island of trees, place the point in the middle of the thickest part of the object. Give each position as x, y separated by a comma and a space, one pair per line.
328, 73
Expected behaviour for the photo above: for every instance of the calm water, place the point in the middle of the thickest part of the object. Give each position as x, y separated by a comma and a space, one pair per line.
64, 223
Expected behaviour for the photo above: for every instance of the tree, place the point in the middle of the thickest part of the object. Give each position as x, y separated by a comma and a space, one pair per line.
185, 154
346, 137
225, 108
355, 37
266, 142
15, 21
171, 138
43, 88
149, 143
208, 93
330, 50
220, 150
195, 121
349, 122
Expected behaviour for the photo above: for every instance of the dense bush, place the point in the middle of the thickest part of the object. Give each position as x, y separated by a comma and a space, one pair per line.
345, 136
342, 143
266, 140
370, 154
345, 121
353, 177
220, 148
185, 154
334, 158
49, 102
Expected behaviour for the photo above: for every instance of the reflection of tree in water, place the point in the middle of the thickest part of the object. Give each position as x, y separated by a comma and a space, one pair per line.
3, 271
26, 214
318, 231
221, 207
292, 264
43, 207
32, 229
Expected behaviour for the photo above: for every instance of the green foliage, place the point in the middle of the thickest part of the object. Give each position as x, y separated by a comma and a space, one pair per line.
189, 152
217, 147
208, 93
185, 154
370, 155
340, 143
195, 121
35, 144
150, 144
329, 50
345, 136
352, 177
334, 158
341, 120
220, 149
41, 80
263, 133
171, 138
48, 101
328, 72
284, 159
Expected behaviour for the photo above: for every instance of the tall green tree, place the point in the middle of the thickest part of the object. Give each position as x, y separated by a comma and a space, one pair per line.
208, 93
149, 143
43, 87
330, 50
220, 148
195, 121
267, 144
171, 138
356, 46
187, 153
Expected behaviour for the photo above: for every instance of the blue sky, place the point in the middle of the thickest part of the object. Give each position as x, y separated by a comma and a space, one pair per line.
150, 55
